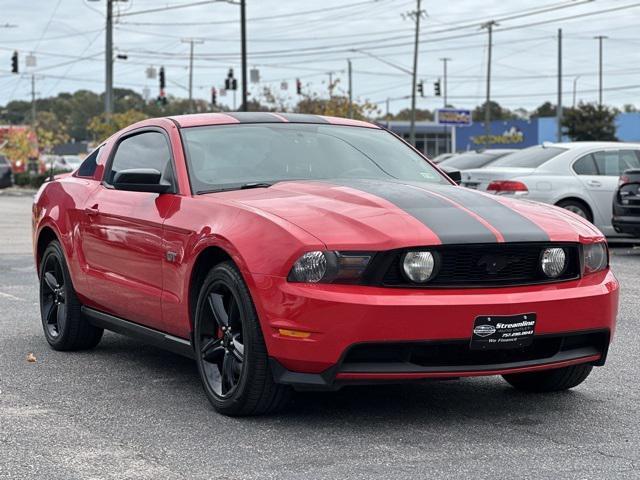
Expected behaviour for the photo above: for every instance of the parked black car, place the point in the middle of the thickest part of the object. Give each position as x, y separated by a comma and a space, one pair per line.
6, 176
626, 204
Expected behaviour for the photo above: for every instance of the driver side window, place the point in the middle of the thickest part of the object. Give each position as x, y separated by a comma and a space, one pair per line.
143, 150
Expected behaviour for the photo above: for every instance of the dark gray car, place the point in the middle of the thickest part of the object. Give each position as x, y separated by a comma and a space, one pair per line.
6, 176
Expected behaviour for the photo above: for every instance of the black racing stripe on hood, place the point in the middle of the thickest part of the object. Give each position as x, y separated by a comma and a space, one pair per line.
450, 223
255, 117
513, 226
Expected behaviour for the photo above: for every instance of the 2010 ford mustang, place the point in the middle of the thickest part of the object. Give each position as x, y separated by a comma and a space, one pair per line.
287, 250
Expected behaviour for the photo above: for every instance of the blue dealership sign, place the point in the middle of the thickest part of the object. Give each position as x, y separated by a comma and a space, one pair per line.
516, 133
454, 116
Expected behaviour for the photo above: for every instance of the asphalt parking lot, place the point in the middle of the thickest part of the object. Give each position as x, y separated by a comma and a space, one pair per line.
126, 410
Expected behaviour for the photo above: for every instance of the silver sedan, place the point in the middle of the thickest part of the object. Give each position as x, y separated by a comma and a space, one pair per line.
579, 176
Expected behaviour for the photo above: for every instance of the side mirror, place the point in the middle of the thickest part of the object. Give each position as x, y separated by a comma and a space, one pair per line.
454, 175
140, 180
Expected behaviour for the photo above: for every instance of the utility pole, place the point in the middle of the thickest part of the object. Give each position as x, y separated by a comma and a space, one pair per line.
108, 91
191, 42
600, 38
416, 15
487, 107
445, 60
108, 57
444, 79
243, 47
350, 89
559, 106
33, 101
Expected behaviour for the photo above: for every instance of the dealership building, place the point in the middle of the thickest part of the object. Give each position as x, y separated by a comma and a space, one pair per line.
434, 139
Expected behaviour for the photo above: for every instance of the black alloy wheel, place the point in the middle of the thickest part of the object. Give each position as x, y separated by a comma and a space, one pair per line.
53, 298
221, 340
65, 327
229, 346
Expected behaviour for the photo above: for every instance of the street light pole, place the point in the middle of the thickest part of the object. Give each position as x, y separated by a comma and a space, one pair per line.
600, 38
487, 107
575, 84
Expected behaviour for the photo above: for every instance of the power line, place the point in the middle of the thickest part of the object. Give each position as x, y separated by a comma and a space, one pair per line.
173, 7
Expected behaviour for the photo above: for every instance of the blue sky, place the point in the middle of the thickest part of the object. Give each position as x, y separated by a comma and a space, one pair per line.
307, 39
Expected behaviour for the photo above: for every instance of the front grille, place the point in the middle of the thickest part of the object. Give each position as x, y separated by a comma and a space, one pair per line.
467, 265
456, 354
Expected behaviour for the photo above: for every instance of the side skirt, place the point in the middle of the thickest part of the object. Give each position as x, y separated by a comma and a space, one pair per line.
149, 335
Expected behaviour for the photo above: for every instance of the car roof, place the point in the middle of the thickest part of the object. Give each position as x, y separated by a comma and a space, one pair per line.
233, 118
591, 144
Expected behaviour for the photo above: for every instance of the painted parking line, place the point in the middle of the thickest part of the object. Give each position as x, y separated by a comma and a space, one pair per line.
10, 297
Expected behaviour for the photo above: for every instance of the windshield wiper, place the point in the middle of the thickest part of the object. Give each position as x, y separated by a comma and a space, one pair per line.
255, 185
244, 186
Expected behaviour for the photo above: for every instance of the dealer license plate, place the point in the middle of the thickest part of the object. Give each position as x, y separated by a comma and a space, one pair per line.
493, 332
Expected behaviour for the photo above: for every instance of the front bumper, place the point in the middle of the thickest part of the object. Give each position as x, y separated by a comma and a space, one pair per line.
626, 224
342, 318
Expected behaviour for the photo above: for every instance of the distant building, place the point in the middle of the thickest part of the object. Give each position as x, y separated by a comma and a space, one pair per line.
433, 139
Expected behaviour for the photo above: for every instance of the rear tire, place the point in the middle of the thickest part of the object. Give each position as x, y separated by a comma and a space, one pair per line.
550, 380
229, 348
577, 207
65, 327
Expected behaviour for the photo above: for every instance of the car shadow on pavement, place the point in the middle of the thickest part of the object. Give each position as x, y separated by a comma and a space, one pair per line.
427, 403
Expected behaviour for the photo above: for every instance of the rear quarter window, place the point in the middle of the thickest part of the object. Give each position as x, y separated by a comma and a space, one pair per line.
88, 166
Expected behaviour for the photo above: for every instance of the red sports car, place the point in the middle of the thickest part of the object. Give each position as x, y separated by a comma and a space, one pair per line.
284, 250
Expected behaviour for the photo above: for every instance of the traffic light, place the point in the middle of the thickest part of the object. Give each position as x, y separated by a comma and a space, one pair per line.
436, 88
214, 96
162, 99
162, 79
14, 62
420, 88
298, 86
230, 83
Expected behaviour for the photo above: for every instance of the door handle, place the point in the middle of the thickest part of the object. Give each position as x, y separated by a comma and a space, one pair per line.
594, 183
93, 210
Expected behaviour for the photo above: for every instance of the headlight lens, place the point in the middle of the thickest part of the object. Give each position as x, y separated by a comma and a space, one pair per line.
419, 266
329, 267
553, 262
310, 267
596, 257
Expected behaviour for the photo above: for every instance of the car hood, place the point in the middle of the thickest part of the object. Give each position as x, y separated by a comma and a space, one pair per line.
379, 214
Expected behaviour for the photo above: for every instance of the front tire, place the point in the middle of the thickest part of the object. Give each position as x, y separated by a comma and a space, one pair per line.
550, 380
230, 350
65, 328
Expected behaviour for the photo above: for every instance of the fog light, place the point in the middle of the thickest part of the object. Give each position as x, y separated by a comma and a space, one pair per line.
419, 266
553, 262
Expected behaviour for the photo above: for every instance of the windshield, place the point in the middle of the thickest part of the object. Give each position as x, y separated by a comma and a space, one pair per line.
467, 161
531, 157
229, 156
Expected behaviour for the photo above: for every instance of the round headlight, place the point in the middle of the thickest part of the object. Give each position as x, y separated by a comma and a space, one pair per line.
553, 262
418, 266
310, 267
